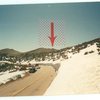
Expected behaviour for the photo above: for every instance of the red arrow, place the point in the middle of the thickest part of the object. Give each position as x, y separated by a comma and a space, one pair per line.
52, 38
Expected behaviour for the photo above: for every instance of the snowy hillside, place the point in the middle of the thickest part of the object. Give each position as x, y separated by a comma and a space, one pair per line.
79, 74
44, 54
79, 66
63, 54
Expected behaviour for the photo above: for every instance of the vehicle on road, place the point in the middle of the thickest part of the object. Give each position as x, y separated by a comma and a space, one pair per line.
32, 70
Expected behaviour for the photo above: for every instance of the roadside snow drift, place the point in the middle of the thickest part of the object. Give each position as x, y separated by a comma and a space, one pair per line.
78, 74
6, 77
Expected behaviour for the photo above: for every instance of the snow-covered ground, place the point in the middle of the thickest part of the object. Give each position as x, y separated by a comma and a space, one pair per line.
6, 76
78, 74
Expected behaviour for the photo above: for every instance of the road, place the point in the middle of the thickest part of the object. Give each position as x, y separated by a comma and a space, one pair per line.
32, 85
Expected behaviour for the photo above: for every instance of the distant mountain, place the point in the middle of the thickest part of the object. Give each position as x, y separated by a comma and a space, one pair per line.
42, 50
37, 53
9, 52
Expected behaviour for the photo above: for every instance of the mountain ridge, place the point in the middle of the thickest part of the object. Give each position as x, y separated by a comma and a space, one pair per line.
45, 53
51, 49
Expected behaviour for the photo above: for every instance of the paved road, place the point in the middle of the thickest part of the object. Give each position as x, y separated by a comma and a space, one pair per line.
34, 84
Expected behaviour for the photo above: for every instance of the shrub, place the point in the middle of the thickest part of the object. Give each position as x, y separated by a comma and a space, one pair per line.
98, 50
85, 53
91, 51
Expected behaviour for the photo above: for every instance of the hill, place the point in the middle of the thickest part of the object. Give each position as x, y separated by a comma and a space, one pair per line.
9, 52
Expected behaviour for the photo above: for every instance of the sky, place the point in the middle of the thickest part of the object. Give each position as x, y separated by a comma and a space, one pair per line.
19, 24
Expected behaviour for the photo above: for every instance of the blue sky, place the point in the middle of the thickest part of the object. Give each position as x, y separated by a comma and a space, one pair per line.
19, 24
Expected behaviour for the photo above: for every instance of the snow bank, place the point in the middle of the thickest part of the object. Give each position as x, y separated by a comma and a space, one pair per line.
6, 77
79, 74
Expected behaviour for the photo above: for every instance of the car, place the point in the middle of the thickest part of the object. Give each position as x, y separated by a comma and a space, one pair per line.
32, 70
